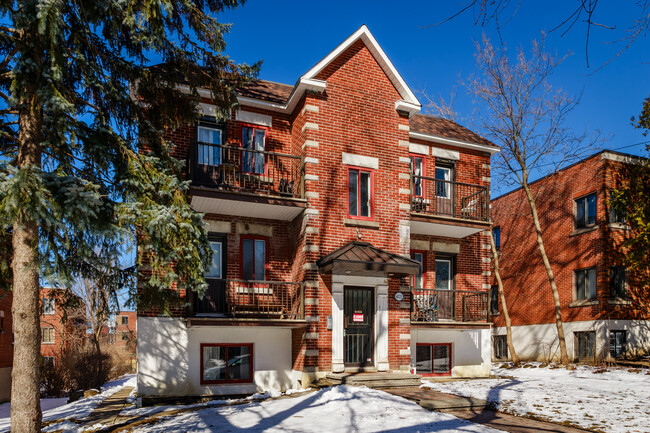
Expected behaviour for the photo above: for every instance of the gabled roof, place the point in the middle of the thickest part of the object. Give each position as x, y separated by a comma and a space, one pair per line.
362, 258
439, 127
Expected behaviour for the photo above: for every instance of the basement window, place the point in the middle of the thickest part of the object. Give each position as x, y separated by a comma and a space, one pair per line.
500, 347
433, 359
226, 363
585, 345
617, 343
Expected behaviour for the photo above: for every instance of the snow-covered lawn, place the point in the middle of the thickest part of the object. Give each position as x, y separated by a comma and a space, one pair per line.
77, 410
336, 409
616, 400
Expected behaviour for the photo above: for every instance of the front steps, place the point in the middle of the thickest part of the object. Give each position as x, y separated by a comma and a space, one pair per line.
371, 380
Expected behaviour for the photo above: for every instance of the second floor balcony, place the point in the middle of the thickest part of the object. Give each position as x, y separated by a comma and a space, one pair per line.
429, 306
447, 208
234, 180
245, 299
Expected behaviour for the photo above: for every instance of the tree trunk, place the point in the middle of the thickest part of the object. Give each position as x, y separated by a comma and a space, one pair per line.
564, 357
25, 376
504, 307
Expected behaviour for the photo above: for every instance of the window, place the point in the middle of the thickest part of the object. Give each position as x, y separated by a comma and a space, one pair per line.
48, 361
125, 320
47, 336
617, 342
48, 306
215, 270
434, 359
444, 274
586, 211
496, 235
617, 281
585, 281
615, 216
253, 259
417, 170
494, 300
209, 140
418, 280
443, 179
125, 336
359, 193
222, 363
500, 347
253, 139
585, 345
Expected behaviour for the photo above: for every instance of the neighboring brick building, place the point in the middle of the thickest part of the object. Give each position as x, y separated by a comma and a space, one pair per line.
316, 197
59, 331
6, 345
121, 335
582, 238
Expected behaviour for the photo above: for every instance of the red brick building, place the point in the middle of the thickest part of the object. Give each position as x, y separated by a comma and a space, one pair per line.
582, 236
348, 234
59, 331
6, 345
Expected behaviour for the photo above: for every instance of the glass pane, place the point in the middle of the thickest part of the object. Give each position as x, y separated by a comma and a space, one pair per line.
364, 194
209, 135
496, 234
247, 143
418, 279
591, 209
260, 146
442, 188
423, 359
214, 363
591, 277
215, 268
353, 189
580, 213
443, 274
248, 260
580, 285
260, 259
239, 363
441, 359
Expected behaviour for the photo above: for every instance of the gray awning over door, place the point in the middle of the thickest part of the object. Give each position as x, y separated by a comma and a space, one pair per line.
362, 258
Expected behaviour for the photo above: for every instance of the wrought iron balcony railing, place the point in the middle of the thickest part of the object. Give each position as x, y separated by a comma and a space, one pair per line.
249, 299
432, 196
234, 168
428, 305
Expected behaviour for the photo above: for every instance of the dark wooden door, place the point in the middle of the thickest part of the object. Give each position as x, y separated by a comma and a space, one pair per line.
358, 314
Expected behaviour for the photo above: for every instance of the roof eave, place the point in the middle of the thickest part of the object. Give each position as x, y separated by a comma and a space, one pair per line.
463, 144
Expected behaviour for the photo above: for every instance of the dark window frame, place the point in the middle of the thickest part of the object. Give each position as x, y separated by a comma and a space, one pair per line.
576, 289
225, 381
371, 191
432, 352
124, 320
209, 125
494, 293
241, 256
612, 348
582, 334
616, 292
582, 202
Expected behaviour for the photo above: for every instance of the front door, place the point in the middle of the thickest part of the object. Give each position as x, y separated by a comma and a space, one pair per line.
358, 313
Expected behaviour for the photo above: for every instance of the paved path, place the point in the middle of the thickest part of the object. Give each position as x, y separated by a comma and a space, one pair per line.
108, 410
477, 411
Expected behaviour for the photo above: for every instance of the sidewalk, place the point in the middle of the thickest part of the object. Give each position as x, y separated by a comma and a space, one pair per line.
108, 410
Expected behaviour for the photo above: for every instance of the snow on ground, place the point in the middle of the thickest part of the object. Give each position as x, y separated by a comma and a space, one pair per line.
616, 400
78, 409
336, 409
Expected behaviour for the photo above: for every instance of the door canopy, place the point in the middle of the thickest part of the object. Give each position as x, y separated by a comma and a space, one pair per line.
361, 258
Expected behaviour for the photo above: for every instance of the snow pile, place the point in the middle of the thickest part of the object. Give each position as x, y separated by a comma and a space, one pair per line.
615, 400
337, 409
80, 408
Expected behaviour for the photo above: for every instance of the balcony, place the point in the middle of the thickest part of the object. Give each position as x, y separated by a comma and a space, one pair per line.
239, 299
232, 180
446, 208
428, 305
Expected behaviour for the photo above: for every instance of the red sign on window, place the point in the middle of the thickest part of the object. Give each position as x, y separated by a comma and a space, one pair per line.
357, 317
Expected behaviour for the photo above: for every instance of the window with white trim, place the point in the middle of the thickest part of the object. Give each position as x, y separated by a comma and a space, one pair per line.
47, 335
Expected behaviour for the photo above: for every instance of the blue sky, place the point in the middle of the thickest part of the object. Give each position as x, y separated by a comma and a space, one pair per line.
292, 36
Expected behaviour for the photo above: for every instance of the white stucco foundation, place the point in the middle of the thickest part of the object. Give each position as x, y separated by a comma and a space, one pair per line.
169, 358
5, 384
539, 342
470, 348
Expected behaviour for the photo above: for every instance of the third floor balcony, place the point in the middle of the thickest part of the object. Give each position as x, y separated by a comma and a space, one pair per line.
233, 180
447, 208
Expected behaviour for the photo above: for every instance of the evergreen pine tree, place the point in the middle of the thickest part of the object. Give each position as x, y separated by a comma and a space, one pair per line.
80, 105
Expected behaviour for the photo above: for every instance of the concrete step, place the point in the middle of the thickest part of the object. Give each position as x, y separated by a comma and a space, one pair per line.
372, 380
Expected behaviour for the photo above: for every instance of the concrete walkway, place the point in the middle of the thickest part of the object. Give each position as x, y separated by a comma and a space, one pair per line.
477, 411
108, 410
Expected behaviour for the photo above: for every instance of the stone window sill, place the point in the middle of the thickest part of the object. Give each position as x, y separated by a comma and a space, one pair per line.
582, 230
619, 301
618, 226
583, 303
361, 223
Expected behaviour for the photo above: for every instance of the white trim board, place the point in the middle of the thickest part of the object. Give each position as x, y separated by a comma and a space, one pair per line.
437, 139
